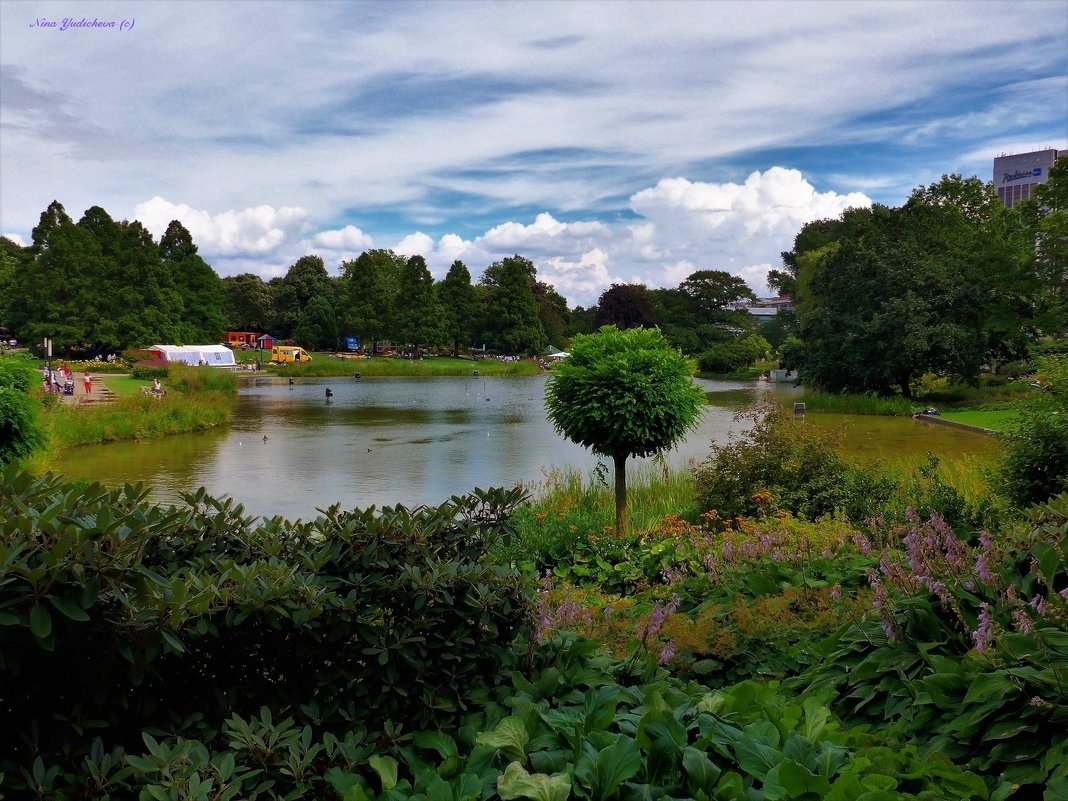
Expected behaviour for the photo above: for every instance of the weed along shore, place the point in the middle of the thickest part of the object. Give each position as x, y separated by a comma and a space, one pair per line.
325, 365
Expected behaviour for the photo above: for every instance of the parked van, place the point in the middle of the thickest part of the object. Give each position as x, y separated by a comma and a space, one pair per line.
283, 354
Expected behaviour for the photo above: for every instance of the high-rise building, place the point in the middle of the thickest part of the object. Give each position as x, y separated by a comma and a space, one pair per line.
1015, 177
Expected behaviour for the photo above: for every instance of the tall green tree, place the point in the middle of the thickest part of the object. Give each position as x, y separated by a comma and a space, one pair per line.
416, 315
554, 314
369, 286
1046, 217
305, 279
317, 327
248, 303
929, 287
459, 306
511, 318
626, 306
622, 394
201, 288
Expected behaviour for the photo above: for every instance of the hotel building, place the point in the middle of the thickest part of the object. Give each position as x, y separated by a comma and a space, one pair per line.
1015, 177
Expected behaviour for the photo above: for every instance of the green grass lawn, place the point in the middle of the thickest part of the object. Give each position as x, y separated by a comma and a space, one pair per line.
123, 385
993, 419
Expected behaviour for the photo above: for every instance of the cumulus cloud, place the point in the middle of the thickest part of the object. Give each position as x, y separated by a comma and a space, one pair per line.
18, 240
417, 244
544, 230
740, 228
257, 230
348, 238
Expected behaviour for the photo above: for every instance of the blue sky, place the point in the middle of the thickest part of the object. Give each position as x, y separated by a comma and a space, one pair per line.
607, 141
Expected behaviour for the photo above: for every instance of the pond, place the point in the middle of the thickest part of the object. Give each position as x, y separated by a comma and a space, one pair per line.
289, 450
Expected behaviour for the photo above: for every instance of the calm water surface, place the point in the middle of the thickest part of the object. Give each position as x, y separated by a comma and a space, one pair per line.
417, 441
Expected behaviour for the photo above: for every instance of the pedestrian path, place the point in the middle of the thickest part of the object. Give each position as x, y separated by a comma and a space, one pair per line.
100, 393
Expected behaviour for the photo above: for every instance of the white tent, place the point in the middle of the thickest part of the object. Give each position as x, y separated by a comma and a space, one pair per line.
563, 354
212, 355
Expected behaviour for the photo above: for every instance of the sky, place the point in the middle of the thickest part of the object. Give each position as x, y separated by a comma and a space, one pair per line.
607, 141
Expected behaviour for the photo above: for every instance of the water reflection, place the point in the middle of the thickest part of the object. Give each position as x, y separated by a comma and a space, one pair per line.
412, 441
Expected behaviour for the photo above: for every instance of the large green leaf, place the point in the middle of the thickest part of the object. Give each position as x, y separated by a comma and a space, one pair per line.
602, 773
386, 768
515, 782
788, 779
510, 738
701, 772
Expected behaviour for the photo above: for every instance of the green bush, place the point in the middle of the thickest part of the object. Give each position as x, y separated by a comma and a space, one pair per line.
118, 617
21, 432
726, 357
1036, 459
780, 463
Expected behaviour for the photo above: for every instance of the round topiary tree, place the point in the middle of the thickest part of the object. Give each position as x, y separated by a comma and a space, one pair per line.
621, 394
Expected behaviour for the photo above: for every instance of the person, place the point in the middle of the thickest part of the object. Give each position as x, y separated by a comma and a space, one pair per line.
157, 388
55, 381
88, 383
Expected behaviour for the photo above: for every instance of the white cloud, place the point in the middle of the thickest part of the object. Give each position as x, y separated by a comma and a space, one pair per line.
544, 231
348, 238
417, 244
259, 230
18, 240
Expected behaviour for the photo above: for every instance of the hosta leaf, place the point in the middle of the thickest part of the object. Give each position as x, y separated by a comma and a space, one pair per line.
701, 771
515, 782
510, 737
788, 779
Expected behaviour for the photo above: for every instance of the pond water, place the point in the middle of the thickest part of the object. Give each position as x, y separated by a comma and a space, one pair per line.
383, 441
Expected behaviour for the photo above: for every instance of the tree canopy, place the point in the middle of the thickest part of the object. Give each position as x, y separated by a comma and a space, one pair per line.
622, 394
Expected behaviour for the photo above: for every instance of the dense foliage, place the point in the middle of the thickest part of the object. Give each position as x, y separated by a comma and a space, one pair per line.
1036, 463
120, 618
623, 394
21, 432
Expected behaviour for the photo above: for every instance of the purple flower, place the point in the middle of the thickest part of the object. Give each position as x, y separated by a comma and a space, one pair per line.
1038, 603
985, 631
1022, 621
836, 592
666, 653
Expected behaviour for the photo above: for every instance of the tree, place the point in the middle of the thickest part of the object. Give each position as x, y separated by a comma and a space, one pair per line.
305, 279
201, 288
626, 306
317, 327
248, 302
51, 218
368, 290
416, 318
553, 312
459, 306
1036, 460
511, 319
622, 394
900, 292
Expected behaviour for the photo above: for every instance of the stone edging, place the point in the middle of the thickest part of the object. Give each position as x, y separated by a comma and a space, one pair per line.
939, 421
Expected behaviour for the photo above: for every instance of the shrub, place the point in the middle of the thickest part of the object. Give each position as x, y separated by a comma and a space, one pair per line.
118, 617
1036, 459
21, 432
726, 357
795, 466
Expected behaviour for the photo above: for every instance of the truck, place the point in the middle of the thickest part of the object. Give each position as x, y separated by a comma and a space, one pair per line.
285, 354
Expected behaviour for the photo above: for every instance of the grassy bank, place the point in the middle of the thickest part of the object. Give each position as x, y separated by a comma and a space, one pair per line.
197, 399
999, 420
992, 394
325, 365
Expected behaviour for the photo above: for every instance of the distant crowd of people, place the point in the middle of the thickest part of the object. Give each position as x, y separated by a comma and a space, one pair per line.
60, 380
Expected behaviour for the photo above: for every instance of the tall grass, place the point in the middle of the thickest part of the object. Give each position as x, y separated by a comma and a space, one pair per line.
652, 494
140, 417
326, 366
858, 404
